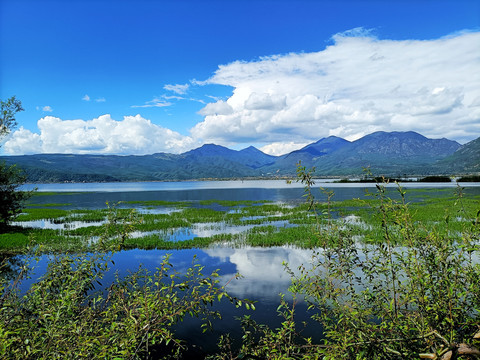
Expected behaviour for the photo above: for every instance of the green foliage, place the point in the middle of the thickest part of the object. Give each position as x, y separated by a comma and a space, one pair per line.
8, 109
414, 294
261, 342
69, 313
62, 316
11, 200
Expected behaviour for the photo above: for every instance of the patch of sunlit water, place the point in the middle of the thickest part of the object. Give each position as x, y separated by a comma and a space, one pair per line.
157, 211
55, 225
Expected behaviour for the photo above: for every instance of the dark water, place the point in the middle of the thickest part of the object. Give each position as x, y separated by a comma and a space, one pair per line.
264, 277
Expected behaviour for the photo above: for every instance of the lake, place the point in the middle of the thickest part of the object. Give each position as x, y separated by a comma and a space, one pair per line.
95, 195
264, 277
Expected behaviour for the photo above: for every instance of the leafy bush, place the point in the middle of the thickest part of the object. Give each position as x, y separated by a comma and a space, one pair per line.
414, 295
68, 312
11, 200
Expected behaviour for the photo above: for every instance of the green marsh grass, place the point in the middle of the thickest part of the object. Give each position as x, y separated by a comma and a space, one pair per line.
266, 236
430, 209
155, 242
17, 239
91, 215
41, 214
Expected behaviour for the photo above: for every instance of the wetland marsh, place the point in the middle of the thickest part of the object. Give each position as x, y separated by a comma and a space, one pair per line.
196, 215
250, 231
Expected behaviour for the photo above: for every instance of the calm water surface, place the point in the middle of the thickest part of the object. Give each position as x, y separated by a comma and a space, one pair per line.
264, 277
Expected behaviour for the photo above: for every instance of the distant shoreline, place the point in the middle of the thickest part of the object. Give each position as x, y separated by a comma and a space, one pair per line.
333, 179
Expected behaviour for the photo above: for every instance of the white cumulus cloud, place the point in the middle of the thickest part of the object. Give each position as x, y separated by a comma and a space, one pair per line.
217, 108
357, 85
102, 135
23, 141
281, 148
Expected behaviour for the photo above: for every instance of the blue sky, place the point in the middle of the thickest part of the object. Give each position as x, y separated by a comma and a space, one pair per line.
137, 77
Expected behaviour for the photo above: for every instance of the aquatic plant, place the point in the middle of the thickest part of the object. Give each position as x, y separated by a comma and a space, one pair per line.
69, 313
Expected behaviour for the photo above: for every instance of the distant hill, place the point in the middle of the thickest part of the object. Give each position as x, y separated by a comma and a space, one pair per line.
394, 153
308, 155
466, 160
386, 153
209, 161
250, 157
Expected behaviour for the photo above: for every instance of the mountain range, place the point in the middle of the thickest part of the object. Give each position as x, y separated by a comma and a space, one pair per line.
385, 153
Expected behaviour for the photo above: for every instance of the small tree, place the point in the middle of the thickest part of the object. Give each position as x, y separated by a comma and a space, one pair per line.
7, 115
11, 200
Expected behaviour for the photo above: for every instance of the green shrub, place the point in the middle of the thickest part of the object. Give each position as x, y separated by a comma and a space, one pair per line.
416, 294
69, 313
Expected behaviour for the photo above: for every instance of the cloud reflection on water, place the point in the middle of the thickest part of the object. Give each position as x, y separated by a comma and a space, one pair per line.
264, 275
